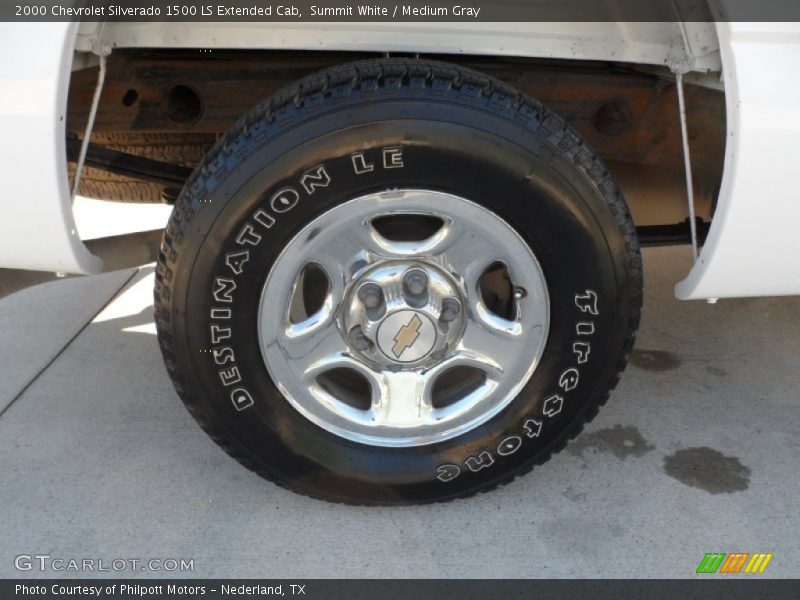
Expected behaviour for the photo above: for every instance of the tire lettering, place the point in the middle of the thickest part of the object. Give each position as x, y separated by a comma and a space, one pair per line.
581, 350
219, 333
315, 178
220, 313
251, 234
241, 399
223, 288
509, 445
552, 406
393, 158
360, 164
263, 218
532, 427
568, 379
482, 461
283, 201
223, 355
587, 302
248, 236
237, 260
447, 472
230, 376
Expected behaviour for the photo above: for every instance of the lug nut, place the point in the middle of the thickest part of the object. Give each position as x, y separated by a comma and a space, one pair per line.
358, 339
451, 308
415, 281
371, 295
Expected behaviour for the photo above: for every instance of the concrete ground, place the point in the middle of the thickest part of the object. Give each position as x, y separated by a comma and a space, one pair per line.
697, 451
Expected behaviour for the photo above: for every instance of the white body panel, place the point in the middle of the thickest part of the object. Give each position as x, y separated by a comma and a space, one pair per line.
644, 43
753, 248
37, 229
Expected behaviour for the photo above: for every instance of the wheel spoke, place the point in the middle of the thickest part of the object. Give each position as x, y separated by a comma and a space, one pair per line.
400, 399
339, 254
312, 351
469, 255
466, 253
491, 341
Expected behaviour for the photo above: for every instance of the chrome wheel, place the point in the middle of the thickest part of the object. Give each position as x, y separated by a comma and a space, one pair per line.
403, 318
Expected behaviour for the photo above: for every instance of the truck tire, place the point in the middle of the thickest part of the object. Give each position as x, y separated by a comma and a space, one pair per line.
397, 281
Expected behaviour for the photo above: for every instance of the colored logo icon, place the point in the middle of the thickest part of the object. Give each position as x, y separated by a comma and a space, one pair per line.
734, 563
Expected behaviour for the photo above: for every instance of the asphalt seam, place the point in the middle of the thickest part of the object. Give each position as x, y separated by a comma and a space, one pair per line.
55, 357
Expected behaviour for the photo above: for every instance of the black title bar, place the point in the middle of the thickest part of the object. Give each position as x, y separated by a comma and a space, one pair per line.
418, 589
300, 11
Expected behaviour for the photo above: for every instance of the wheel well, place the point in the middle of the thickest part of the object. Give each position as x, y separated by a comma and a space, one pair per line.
171, 105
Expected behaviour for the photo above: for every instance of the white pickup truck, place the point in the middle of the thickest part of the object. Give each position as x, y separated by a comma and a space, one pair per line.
403, 261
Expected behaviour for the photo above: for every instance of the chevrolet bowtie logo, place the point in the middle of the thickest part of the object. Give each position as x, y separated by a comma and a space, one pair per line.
407, 335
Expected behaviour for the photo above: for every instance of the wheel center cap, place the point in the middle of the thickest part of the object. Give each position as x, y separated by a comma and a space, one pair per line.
406, 336
403, 314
